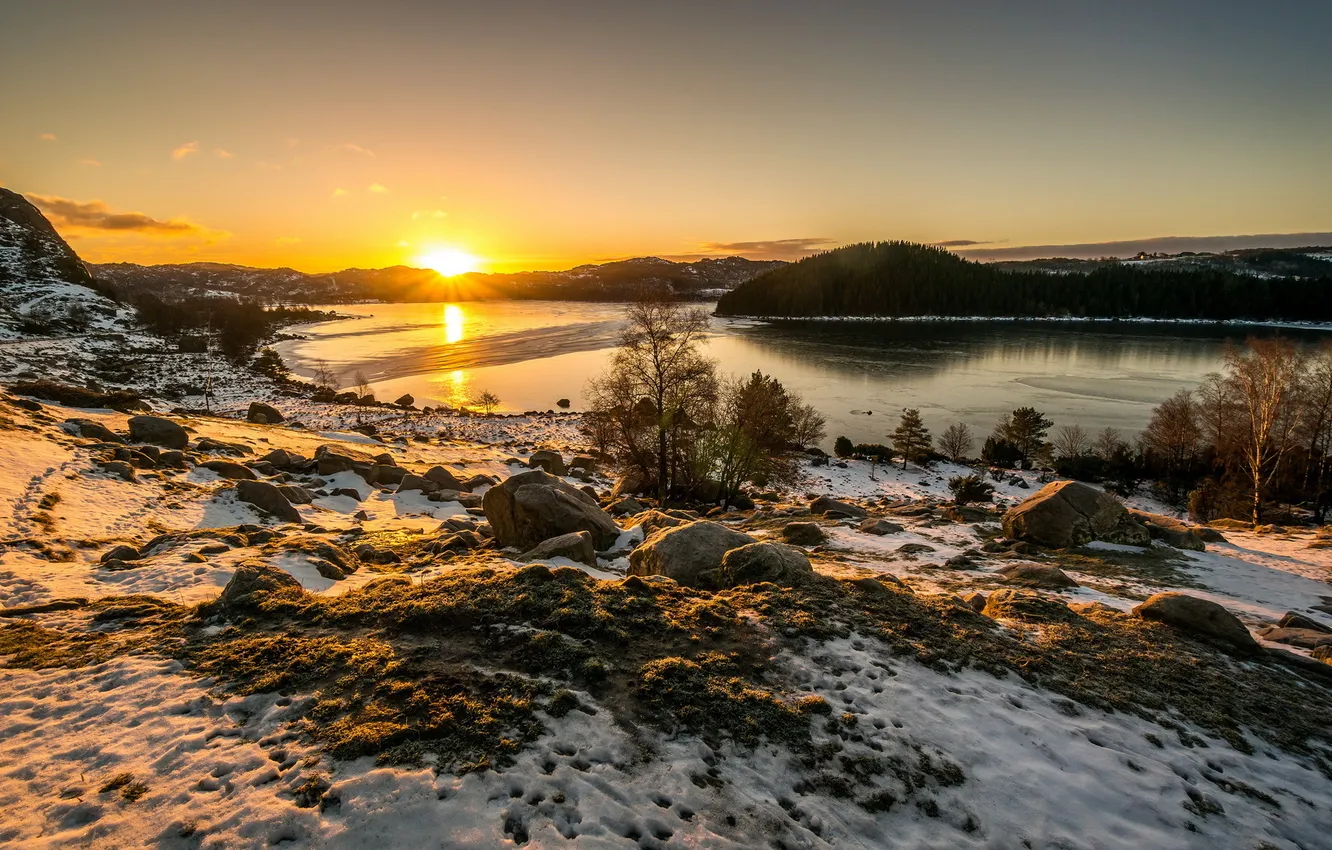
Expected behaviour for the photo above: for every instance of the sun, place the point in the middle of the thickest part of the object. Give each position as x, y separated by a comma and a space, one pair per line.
449, 261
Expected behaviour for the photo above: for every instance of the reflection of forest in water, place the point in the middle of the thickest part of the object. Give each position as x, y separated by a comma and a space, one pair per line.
906, 348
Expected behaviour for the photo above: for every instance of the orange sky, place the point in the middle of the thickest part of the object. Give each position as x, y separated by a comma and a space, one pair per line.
539, 135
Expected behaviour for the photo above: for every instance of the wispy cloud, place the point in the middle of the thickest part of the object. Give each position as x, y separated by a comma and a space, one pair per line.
420, 214
222, 153
765, 249
339, 193
350, 147
47, 137
95, 215
90, 162
377, 188
185, 150
958, 243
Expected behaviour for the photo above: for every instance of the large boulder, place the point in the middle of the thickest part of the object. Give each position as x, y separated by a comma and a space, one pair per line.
1197, 616
1069, 513
253, 580
880, 527
550, 461
94, 430
1027, 606
754, 563
685, 552
296, 494
159, 431
829, 505
1171, 531
264, 414
331, 460
576, 546
417, 482
534, 506
654, 521
267, 498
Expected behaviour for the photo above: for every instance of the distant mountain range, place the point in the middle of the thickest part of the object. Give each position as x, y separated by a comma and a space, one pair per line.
615, 281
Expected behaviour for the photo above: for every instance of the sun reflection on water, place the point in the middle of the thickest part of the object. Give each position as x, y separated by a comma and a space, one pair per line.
453, 323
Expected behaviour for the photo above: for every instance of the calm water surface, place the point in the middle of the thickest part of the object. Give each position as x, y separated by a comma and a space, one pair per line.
860, 376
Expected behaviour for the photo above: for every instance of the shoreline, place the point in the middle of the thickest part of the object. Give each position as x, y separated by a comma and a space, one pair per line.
1138, 320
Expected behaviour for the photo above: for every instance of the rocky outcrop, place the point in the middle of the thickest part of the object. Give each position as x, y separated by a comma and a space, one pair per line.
159, 431
685, 552
264, 414
755, 563
267, 498
1068, 513
1200, 617
576, 546
534, 506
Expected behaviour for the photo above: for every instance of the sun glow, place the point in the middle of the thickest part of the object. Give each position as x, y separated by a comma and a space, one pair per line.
449, 261
453, 323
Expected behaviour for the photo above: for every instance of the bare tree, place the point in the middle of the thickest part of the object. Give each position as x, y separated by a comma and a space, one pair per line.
1316, 428
361, 385
1264, 377
324, 377
956, 442
659, 387
1071, 441
487, 401
1174, 434
1108, 443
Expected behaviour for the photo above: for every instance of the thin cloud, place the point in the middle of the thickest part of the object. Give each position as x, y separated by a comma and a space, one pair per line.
339, 193
185, 150
95, 215
220, 153
90, 162
958, 243
356, 149
47, 137
377, 188
765, 249
420, 214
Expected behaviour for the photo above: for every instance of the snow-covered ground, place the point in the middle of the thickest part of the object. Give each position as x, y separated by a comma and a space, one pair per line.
218, 771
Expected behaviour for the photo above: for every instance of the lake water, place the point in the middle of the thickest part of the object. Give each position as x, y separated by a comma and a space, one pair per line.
860, 376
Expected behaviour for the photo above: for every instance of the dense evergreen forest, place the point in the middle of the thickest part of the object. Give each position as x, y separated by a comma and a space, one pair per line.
897, 279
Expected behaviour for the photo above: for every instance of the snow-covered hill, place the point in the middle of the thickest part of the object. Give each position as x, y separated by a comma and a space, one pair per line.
45, 289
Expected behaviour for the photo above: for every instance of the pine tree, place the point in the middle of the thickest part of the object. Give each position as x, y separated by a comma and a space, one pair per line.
912, 438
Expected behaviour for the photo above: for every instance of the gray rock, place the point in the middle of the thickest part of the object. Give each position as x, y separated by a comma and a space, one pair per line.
1200, 617
880, 527
550, 461
1306, 638
119, 468
253, 580
685, 552
155, 429
576, 546
282, 459
914, 549
296, 494
264, 414
1068, 513
829, 505
420, 483
94, 430
389, 474
534, 506
1295, 620
405, 400
1037, 575
586, 463
654, 521
444, 479
803, 533
975, 600
120, 553
230, 470
267, 498
626, 506
1171, 531
755, 563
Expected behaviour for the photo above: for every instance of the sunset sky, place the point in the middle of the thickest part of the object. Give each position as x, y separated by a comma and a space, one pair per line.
543, 134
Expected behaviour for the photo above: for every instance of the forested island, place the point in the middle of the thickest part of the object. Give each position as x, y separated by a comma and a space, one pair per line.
904, 279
